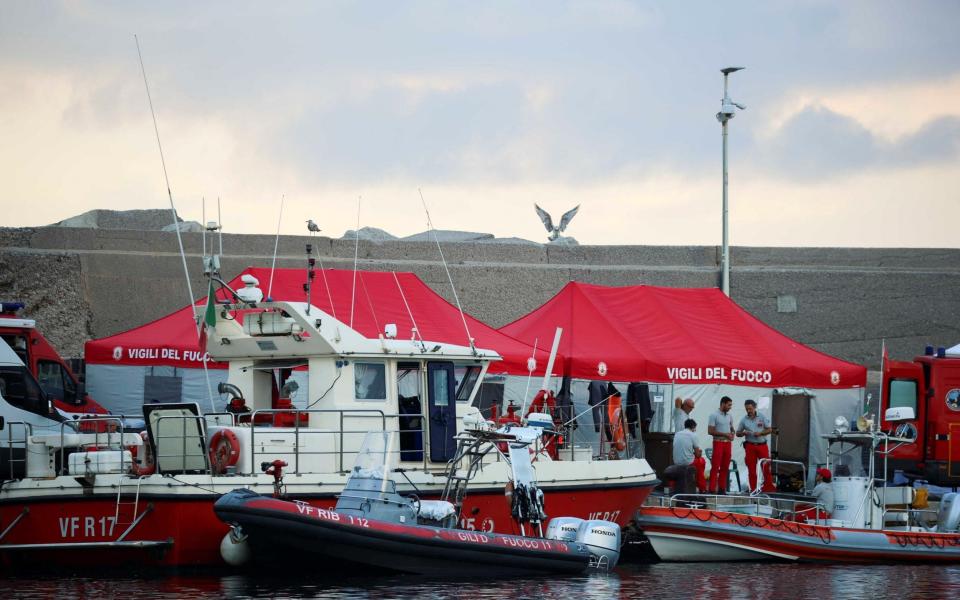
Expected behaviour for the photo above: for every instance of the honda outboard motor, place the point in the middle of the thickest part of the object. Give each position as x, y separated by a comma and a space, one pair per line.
948, 519
602, 539
564, 529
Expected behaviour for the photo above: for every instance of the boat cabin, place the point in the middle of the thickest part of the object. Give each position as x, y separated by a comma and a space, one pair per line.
357, 384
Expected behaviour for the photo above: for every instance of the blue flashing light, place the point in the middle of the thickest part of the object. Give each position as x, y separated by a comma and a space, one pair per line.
10, 307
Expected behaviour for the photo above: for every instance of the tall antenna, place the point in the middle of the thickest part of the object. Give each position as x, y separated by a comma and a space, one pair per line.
308, 286
203, 215
276, 244
416, 330
173, 210
356, 254
326, 284
220, 225
445, 268
373, 311
163, 162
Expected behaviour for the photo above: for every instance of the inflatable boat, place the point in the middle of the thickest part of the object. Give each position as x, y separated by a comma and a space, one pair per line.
374, 526
865, 524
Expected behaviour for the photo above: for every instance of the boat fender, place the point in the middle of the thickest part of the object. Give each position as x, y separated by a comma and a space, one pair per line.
234, 548
224, 451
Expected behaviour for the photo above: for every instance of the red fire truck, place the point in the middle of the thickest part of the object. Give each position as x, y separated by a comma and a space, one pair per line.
926, 391
53, 374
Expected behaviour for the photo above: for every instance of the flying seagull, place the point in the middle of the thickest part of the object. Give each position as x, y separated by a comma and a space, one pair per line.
312, 227
548, 222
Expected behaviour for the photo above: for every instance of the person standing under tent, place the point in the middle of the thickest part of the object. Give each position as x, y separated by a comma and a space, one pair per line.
720, 427
755, 428
681, 412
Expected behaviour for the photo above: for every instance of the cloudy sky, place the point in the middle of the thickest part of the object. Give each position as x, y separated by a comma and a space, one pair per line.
851, 135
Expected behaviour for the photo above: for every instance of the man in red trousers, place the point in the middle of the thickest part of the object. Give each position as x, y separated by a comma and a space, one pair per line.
720, 427
754, 429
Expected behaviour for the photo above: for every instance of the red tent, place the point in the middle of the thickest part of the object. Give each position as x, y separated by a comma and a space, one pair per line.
682, 335
380, 298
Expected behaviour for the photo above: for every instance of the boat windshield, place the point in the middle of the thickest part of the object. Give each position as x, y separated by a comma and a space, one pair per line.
371, 490
374, 460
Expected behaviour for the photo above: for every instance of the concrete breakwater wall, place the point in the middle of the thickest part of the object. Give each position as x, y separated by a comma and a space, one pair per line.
83, 283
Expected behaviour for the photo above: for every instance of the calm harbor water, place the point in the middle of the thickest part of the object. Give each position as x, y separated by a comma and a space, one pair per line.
709, 581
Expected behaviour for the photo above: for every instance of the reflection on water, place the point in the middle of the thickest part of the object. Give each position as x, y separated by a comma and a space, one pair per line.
718, 580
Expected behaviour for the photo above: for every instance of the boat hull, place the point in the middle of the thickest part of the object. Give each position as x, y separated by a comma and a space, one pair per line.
282, 528
178, 527
699, 535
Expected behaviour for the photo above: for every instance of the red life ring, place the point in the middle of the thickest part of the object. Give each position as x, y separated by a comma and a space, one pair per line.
149, 465
224, 451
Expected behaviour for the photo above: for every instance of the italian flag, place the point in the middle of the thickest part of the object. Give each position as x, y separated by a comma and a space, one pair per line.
209, 316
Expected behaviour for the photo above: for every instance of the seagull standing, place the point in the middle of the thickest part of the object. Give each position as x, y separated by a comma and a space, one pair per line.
312, 227
548, 222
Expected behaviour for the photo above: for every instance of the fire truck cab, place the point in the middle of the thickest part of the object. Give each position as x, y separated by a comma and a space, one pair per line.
927, 390
56, 379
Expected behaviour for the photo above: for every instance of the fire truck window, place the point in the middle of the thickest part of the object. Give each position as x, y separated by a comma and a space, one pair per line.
50, 378
19, 345
903, 392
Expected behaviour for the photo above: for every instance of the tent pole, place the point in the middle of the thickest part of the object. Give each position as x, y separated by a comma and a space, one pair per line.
553, 356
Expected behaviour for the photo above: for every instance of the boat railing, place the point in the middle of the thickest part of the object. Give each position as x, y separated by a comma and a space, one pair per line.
913, 517
603, 448
784, 509
107, 435
220, 419
27, 429
343, 435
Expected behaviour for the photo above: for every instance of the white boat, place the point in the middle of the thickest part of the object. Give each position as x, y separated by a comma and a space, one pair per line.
868, 523
122, 497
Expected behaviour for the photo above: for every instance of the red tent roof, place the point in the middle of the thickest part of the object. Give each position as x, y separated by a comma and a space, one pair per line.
381, 298
683, 335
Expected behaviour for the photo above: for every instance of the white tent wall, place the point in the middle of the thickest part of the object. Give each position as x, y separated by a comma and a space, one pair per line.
121, 388
825, 407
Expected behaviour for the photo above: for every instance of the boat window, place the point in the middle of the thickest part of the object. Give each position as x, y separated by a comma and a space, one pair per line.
466, 380
441, 380
370, 381
903, 392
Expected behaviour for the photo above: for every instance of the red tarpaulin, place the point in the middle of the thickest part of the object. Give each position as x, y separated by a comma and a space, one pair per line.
682, 335
381, 298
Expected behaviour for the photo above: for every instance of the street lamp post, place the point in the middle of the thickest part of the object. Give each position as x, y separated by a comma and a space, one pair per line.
727, 111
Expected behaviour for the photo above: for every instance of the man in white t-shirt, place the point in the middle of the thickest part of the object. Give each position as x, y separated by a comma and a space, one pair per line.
754, 429
682, 469
720, 427
681, 412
